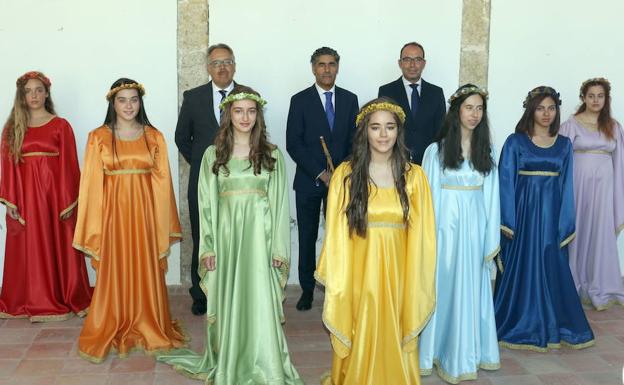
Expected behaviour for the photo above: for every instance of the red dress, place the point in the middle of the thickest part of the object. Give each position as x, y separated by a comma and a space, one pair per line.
44, 278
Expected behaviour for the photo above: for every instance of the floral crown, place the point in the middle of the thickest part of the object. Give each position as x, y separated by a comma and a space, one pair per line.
126, 86
602, 81
34, 75
383, 106
241, 96
542, 90
468, 90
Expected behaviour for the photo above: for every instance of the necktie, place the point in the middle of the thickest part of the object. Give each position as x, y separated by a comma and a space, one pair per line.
329, 110
223, 94
415, 100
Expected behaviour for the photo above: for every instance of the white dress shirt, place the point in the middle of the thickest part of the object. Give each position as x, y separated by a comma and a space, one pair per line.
408, 89
216, 98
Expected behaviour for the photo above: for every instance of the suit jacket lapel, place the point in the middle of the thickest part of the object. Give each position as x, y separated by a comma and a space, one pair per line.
402, 96
209, 102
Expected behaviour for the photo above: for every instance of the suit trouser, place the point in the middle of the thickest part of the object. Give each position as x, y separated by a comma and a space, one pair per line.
195, 290
308, 211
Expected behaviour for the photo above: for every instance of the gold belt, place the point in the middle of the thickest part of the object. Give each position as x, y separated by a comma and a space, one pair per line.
386, 225
464, 188
40, 153
128, 171
601, 152
242, 192
538, 173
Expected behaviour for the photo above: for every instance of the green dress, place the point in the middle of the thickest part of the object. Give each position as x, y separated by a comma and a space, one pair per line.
245, 222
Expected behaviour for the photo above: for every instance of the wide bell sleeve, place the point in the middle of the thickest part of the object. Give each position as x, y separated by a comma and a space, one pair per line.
335, 266
507, 174
88, 233
207, 197
69, 173
567, 214
11, 192
418, 300
168, 230
491, 198
280, 216
618, 179
431, 166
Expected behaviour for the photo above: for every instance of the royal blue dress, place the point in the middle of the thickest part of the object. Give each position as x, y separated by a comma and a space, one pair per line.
535, 300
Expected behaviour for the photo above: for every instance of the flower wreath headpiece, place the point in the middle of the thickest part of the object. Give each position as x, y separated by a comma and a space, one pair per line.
34, 75
542, 90
384, 106
242, 96
468, 90
601, 81
126, 86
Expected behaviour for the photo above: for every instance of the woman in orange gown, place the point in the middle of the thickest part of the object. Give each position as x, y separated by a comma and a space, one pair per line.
127, 220
44, 278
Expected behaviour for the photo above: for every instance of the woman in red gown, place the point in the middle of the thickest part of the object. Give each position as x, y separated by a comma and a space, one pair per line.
44, 278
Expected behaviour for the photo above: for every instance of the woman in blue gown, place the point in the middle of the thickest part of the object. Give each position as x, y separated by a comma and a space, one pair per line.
461, 336
535, 300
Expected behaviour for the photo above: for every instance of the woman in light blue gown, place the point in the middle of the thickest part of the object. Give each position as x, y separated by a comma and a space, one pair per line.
461, 336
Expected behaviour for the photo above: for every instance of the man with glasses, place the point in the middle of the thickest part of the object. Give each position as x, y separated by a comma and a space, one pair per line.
322, 110
422, 102
197, 127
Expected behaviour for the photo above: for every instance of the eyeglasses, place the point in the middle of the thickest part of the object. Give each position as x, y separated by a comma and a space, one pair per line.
219, 63
412, 60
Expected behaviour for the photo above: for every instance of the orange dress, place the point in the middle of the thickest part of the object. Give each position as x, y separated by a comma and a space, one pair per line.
127, 220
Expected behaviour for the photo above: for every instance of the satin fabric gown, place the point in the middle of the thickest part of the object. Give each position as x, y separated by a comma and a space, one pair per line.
44, 278
127, 220
460, 338
535, 300
379, 290
599, 195
245, 223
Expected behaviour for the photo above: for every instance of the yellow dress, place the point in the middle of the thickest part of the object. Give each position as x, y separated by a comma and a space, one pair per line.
379, 290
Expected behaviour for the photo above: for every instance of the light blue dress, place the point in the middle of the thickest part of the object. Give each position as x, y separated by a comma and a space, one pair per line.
461, 335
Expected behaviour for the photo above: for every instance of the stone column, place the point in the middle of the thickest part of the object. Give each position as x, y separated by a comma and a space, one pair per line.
475, 42
192, 46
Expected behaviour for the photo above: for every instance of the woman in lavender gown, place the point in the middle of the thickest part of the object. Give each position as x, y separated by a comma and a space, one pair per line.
598, 144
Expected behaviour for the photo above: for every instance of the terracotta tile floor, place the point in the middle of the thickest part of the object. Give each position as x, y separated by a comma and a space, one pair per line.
45, 353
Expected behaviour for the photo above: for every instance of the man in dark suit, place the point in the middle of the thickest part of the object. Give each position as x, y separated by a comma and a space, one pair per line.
320, 110
197, 127
422, 102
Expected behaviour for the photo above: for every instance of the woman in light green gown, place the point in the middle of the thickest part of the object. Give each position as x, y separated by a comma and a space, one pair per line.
244, 252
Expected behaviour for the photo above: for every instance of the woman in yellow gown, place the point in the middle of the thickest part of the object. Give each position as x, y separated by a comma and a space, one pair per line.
127, 220
378, 257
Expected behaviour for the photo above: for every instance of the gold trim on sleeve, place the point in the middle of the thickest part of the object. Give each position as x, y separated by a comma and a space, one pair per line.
537, 173
13, 205
499, 264
507, 230
86, 251
461, 188
619, 229
68, 209
567, 240
40, 153
493, 254
128, 171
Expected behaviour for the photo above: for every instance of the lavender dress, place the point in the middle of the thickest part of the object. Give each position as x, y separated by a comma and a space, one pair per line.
599, 196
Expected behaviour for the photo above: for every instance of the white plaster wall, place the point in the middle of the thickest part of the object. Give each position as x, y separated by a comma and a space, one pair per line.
83, 46
556, 43
273, 42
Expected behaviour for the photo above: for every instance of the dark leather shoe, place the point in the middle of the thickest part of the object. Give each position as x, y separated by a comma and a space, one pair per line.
198, 308
305, 302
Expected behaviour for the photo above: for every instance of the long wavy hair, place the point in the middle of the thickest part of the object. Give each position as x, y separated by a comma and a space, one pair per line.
111, 116
449, 137
606, 124
534, 98
359, 182
17, 123
260, 148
